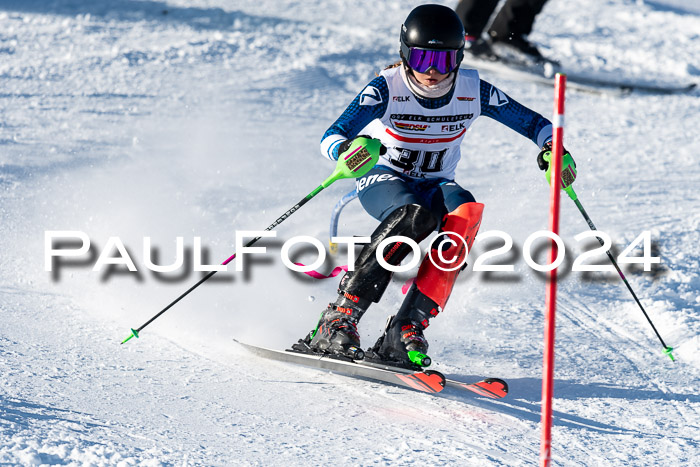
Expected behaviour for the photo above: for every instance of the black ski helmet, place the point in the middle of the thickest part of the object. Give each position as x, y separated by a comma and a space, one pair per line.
434, 27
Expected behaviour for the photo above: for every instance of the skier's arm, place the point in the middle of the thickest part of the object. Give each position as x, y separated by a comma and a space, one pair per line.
369, 104
502, 108
499, 106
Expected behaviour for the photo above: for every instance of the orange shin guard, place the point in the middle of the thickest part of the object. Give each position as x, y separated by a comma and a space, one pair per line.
435, 279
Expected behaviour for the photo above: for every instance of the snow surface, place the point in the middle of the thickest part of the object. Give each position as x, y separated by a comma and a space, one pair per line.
199, 118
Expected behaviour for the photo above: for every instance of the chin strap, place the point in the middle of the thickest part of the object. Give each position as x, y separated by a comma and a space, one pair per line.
428, 92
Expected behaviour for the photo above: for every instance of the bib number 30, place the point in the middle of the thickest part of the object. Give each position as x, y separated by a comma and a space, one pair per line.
412, 160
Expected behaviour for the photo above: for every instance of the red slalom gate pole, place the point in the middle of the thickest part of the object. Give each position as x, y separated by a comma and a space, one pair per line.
551, 294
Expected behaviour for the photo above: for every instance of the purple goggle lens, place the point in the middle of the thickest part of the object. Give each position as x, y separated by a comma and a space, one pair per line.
422, 60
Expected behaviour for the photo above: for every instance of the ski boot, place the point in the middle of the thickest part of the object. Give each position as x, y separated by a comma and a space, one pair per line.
403, 343
519, 51
479, 48
336, 332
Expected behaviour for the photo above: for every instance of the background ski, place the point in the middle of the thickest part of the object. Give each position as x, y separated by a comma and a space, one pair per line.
623, 83
425, 381
593, 83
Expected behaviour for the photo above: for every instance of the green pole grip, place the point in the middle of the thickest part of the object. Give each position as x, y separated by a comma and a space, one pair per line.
356, 161
568, 173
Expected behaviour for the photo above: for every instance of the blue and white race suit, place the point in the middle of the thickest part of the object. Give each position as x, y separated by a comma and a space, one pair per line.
423, 136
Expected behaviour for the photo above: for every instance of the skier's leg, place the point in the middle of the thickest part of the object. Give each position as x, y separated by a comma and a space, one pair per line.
515, 19
475, 14
336, 331
437, 273
432, 287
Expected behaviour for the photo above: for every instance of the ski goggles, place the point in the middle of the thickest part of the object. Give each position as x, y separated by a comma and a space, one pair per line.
422, 60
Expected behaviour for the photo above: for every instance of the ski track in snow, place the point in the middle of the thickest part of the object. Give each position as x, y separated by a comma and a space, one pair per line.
148, 118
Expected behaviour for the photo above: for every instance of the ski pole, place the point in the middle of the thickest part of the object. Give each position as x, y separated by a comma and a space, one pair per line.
355, 162
567, 180
667, 350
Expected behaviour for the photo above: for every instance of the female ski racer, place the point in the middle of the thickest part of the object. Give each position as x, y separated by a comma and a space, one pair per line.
420, 110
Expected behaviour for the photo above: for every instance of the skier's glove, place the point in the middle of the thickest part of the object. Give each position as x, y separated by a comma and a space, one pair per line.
546, 154
568, 169
345, 145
